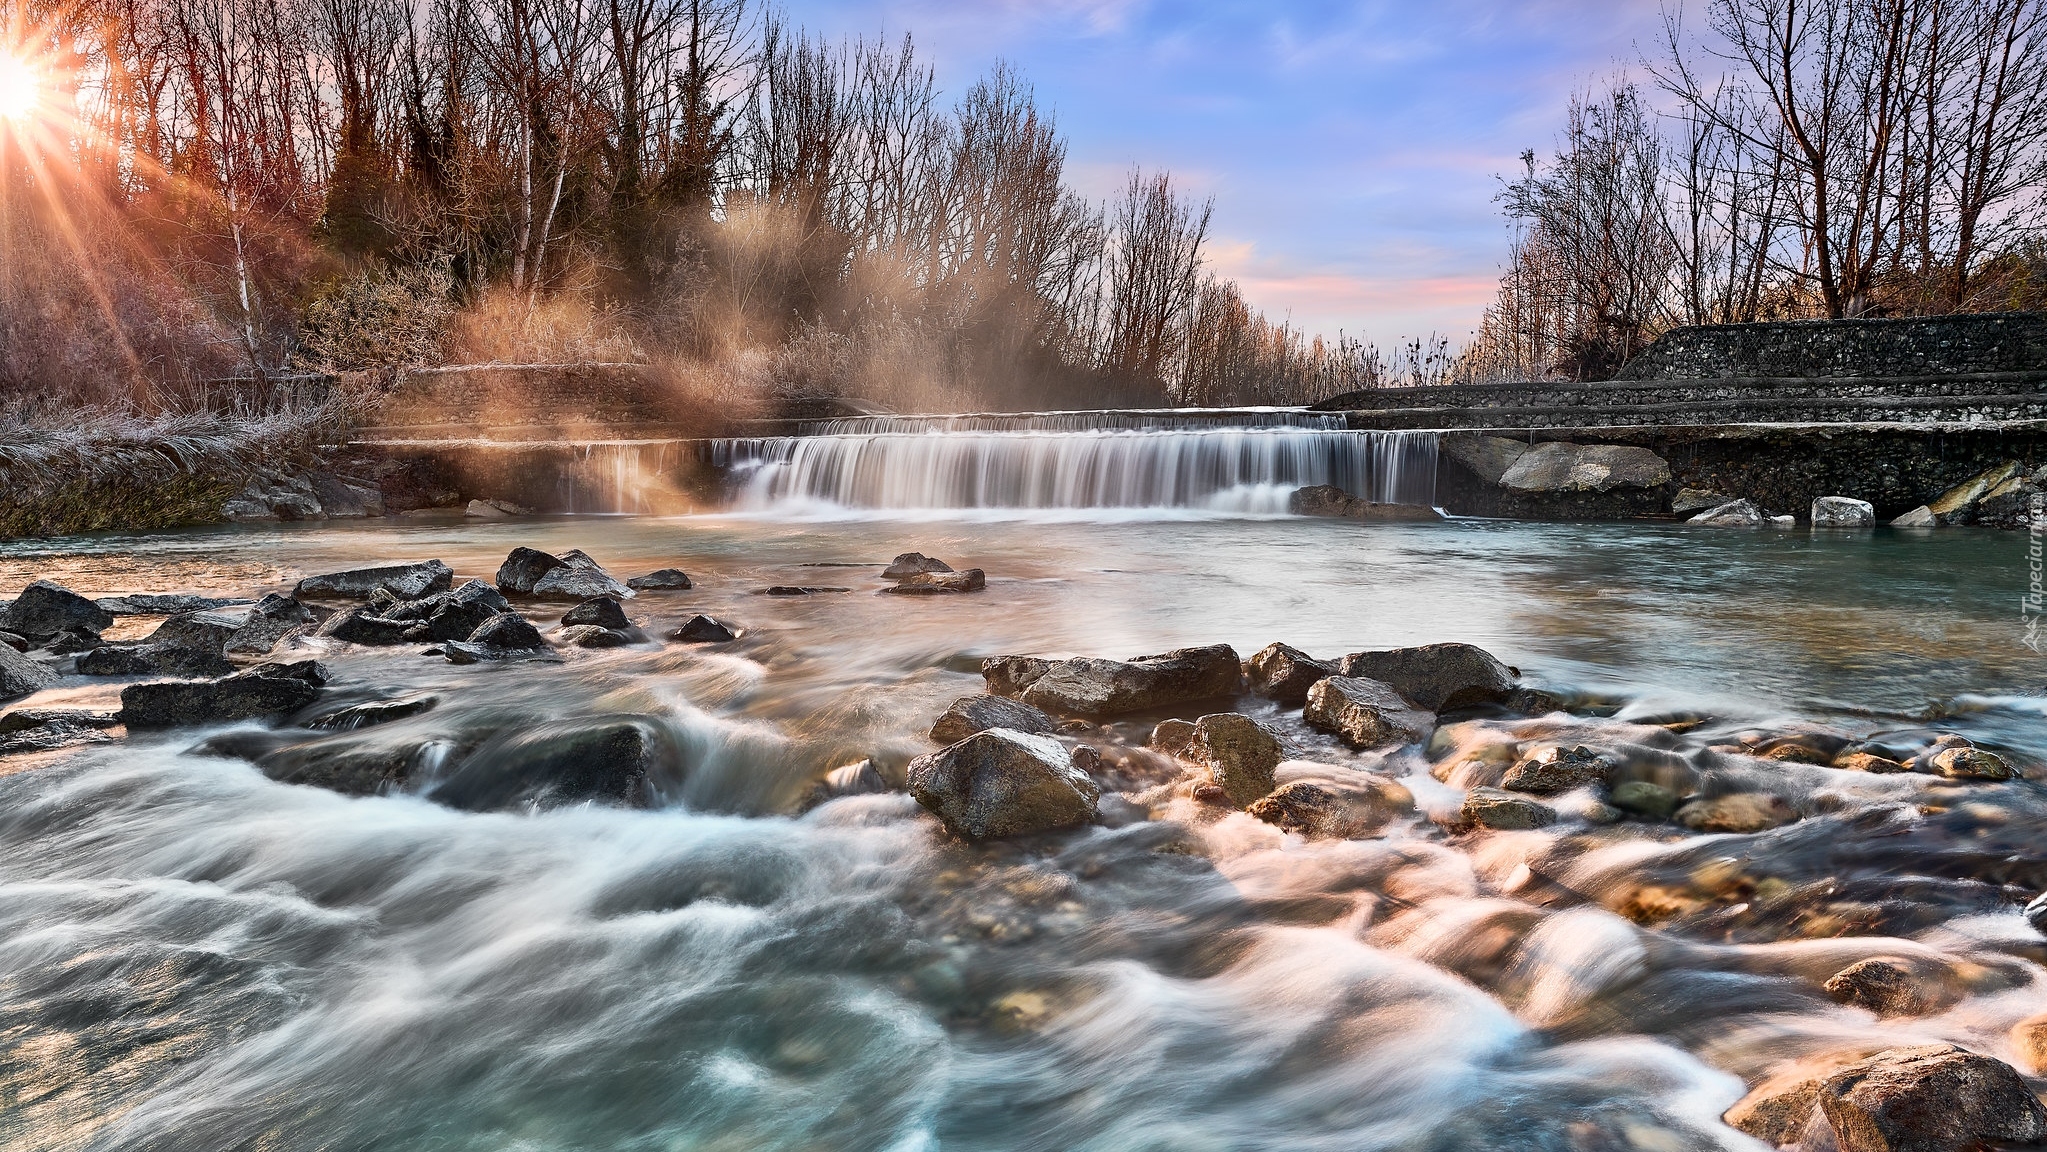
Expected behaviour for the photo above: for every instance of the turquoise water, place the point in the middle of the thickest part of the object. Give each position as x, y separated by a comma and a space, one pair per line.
195, 957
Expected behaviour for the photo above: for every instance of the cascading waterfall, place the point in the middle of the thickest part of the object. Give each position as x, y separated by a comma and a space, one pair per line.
1222, 461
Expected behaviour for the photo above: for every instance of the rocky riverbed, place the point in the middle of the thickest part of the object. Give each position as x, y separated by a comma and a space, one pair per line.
560, 835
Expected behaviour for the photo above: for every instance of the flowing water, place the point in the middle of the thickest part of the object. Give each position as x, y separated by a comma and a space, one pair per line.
195, 957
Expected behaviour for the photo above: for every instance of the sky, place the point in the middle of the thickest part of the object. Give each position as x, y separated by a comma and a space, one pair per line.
1353, 150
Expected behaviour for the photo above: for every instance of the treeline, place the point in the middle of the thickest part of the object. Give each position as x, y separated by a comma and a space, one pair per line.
252, 187
1814, 158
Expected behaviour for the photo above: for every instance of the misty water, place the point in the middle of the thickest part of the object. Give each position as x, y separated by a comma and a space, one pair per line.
195, 957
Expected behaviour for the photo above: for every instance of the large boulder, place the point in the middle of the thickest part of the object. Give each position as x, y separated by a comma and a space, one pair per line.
1842, 512
979, 713
509, 631
263, 692
209, 631
1365, 713
405, 581
1094, 688
625, 760
342, 500
1436, 676
1935, 1098
1555, 468
1954, 505
1239, 754
1487, 457
1283, 673
45, 608
20, 675
267, 623
1002, 783
602, 611
1329, 500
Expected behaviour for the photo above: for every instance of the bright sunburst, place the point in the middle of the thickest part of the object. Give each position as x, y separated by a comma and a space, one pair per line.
19, 90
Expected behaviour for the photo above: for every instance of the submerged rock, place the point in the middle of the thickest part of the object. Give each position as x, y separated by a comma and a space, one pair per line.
351, 765
263, 692
46, 608
1868, 762
1331, 501
593, 636
971, 714
1965, 763
612, 759
1436, 676
603, 611
1936, 1098
1002, 783
1733, 514
1739, 812
1560, 770
1093, 688
1283, 673
1842, 512
1644, 798
1012, 675
1504, 811
267, 623
940, 583
1365, 713
913, 564
1360, 806
20, 675
703, 630
1171, 736
372, 713
664, 580
1883, 985
1239, 754
405, 581
856, 779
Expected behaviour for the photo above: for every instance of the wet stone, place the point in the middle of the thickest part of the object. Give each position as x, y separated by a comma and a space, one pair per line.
266, 691
1436, 676
1644, 799
1504, 811
578, 578
1283, 673
46, 608
1959, 763
602, 611
703, 630
1172, 736
622, 760
940, 583
1013, 675
1239, 754
970, 714
523, 568
1883, 986
1868, 762
363, 626
153, 660
856, 779
508, 630
1937, 1098
1559, 770
1093, 688
267, 623
371, 714
1365, 713
1000, 783
592, 636
664, 580
1740, 812
911, 564
405, 581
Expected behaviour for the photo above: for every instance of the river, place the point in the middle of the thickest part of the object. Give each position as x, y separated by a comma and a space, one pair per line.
195, 957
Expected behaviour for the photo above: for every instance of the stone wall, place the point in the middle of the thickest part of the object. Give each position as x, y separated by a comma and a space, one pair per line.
1923, 346
1782, 469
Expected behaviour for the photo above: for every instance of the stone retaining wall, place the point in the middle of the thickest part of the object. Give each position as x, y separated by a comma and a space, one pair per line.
1921, 346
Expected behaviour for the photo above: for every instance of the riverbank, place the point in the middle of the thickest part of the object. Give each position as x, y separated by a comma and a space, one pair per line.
1610, 976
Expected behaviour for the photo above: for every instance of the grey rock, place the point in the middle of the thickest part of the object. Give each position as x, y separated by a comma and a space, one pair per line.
523, 569
627, 760
1171, 736
154, 660
1330, 501
1013, 675
1283, 673
18, 643
971, 714
456, 615
1643, 798
20, 675
913, 564
940, 583
363, 626
45, 608
1920, 517
1696, 500
2036, 913
1504, 811
579, 578
508, 630
24, 719
1001, 783
1733, 514
1560, 770
405, 581
266, 624
1093, 688
1436, 676
209, 630
1962, 763
341, 500
72, 643
593, 636
703, 630
1554, 468
665, 580
602, 611
1239, 754
1365, 713
1488, 457
486, 510
165, 604
1936, 1098
266, 691
1842, 512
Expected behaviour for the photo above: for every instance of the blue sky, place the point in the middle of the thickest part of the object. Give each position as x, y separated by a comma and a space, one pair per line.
1351, 148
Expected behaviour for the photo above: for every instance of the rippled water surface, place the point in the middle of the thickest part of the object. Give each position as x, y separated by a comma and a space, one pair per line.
195, 957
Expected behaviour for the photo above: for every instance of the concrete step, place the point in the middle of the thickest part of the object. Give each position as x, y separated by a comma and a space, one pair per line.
1651, 392
1751, 410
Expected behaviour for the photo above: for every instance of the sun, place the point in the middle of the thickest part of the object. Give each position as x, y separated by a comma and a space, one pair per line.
19, 90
